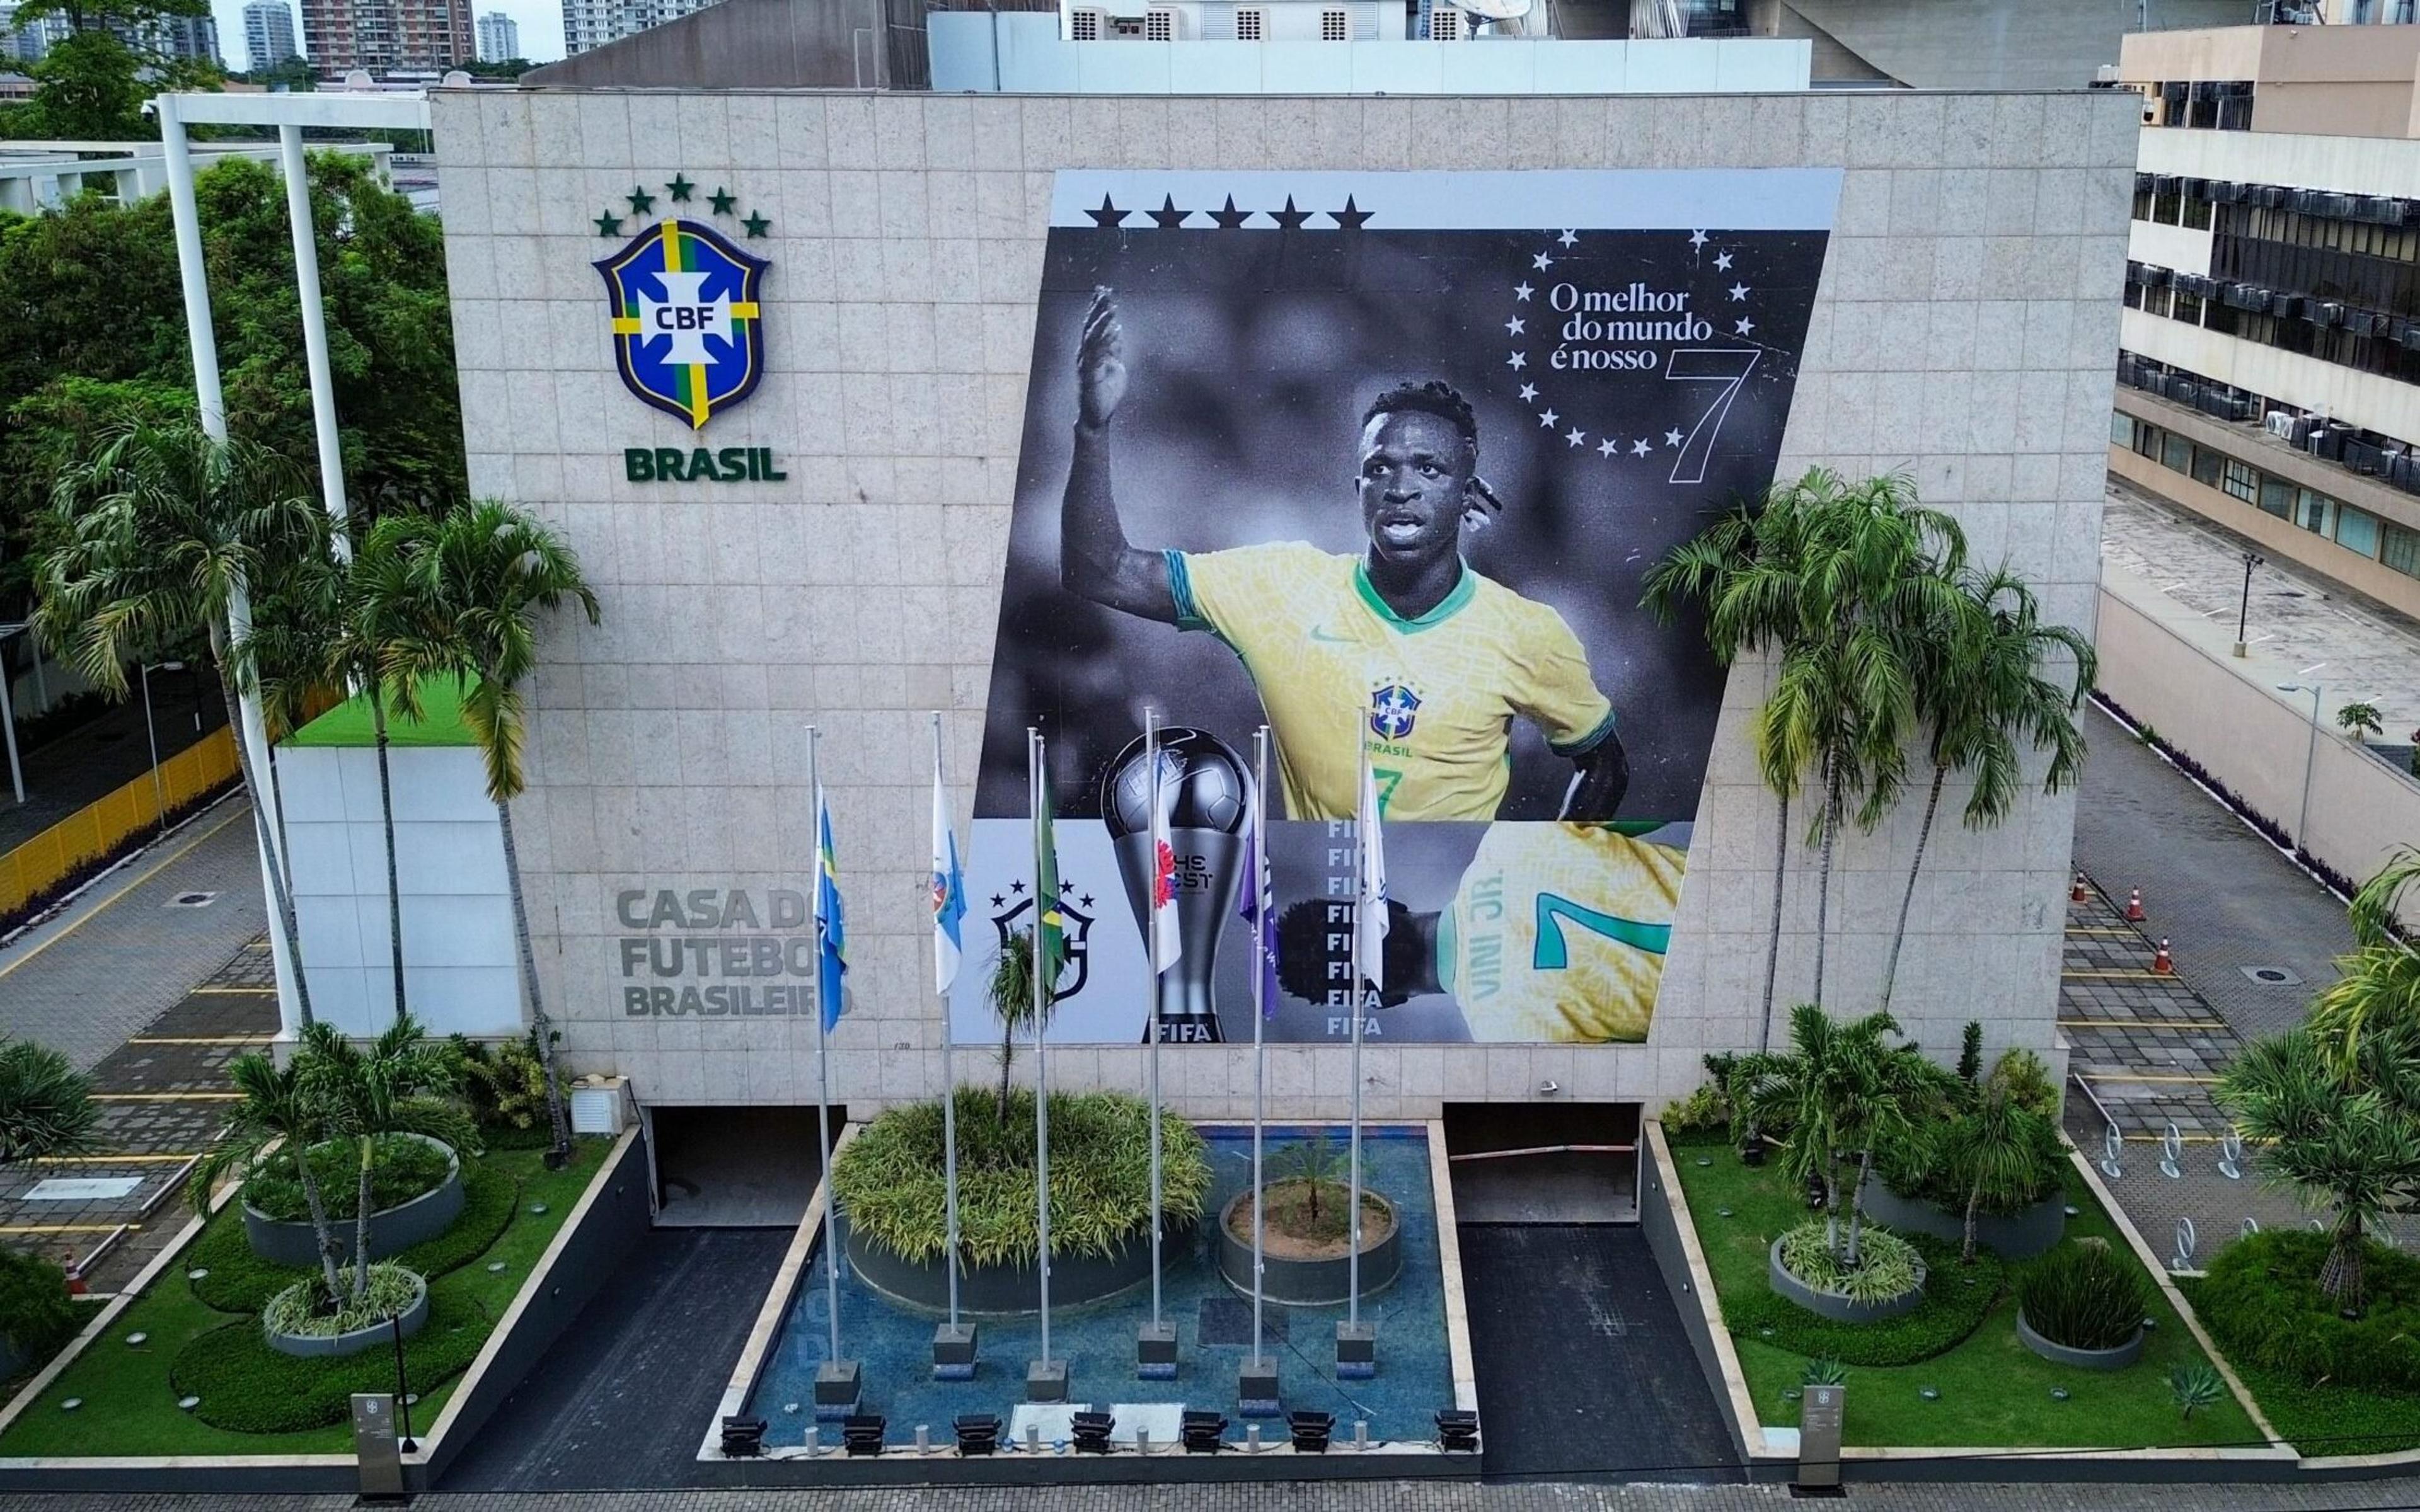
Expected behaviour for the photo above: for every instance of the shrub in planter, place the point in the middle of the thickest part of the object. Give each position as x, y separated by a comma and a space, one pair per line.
505, 1086
2084, 1295
304, 1309
1953, 1307
2262, 1300
400, 1170
1887, 1266
36, 1315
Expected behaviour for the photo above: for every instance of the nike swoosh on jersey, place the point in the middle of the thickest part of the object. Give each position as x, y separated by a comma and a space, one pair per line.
1319, 632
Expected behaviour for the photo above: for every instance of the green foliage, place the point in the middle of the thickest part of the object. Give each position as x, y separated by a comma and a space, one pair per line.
46, 1106
87, 85
2361, 718
504, 1085
1824, 1370
1704, 1109
2193, 1387
401, 1169
2084, 1295
248, 1387
889, 1180
2263, 1304
1316, 1165
305, 1309
1970, 1054
1950, 1313
2022, 1077
242, 1282
1011, 994
36, 1315
1886, 1266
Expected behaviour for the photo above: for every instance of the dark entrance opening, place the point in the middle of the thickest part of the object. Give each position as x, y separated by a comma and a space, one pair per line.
1544, 1162
752, 1167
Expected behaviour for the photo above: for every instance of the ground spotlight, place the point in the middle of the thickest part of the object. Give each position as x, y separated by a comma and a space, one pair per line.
1203, 1432
978, 1433
1090, 1432
1458, 1432
743, 1438
860, 1434
1310, 1431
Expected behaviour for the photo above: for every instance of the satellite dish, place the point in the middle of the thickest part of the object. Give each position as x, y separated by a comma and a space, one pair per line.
456, 79
1494, 10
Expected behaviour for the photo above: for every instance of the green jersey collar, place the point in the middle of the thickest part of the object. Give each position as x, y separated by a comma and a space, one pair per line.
1465, 587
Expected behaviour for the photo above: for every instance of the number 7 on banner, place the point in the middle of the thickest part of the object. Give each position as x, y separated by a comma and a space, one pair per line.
1728, 366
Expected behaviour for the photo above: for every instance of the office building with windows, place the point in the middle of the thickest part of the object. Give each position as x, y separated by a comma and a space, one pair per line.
2269, 372
500, 38
383, 37
267, 34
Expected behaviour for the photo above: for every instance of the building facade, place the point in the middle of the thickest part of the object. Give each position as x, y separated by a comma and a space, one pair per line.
188, 38
267, 34
2270, 363
381, 36
588, 24
857, 541
29, 42
500, 38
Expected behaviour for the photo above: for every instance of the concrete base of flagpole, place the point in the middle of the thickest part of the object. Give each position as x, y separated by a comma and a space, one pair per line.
953, 1351
838, 1389
1256, 1389
1356, 1352
1155, 1351
1046, 1380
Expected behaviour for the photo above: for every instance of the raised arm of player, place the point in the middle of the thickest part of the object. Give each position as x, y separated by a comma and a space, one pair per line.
1597, 788
1094, 560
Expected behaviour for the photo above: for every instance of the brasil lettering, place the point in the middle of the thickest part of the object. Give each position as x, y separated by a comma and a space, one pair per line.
676, 464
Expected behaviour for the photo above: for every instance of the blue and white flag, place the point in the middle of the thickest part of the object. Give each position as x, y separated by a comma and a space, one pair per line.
949, 886
830, 928
1370, 905
1258, 907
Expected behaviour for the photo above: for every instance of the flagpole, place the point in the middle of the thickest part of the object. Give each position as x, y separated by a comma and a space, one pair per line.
949, 1095
1361, 936
1033, 759
1259, 1003
823, 1061
1151, 1023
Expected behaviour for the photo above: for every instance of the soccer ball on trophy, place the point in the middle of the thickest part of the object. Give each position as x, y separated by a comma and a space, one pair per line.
1208, 797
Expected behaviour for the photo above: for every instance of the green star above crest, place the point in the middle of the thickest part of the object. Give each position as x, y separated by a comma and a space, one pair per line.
641, 201
722, 200
608, 225
757, 226
680, 186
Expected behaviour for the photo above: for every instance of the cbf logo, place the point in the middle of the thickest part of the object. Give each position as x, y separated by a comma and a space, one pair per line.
1013, 910
1393, 710
688, 330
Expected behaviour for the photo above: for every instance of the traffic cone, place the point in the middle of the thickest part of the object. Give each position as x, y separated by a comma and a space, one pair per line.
2075, 895
2162, 963
75, 1278
2135, 906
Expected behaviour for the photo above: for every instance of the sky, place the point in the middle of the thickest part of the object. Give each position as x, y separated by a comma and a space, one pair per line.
541, 26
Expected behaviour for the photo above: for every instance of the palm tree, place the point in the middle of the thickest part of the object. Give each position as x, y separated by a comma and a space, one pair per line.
1979, 687
2377, 983
1990, 1152
2346, 1136
400, 1083
162, 533
472, 580
1842, 1091
46, 1106
275, 1108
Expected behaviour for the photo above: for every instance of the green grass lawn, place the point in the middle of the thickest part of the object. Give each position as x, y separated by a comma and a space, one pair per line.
1992, 1390
130, 1404
2328, 1420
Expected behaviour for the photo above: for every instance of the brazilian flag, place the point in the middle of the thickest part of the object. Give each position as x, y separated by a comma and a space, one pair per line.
1053, 925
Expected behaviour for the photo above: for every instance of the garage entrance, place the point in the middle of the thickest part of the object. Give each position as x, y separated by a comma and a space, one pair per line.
1544, 1162
752, 1167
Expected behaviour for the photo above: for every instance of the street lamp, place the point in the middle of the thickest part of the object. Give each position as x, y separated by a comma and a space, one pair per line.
2243, 611
150, 733
2310, 759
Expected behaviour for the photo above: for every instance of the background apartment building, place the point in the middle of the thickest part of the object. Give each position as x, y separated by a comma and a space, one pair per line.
267, 34
2269, 372
383, 36
500, 38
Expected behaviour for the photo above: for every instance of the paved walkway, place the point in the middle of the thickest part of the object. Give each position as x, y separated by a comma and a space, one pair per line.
99, 757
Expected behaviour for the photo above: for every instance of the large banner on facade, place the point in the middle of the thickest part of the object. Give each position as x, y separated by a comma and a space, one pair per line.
1378, 460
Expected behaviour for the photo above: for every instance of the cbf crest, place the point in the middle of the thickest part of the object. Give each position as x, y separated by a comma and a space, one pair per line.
685, 302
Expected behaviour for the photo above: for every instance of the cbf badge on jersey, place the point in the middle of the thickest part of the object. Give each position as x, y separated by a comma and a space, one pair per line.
688, 330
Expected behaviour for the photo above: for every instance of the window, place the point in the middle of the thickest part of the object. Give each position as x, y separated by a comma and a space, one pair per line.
2239, 480
1159, 26
2399, 548
1445, 24
2205, 467
2315, 512
1335, 26
2122, 431
2193, 212
2357, 530
2277, 497
1085, 26
2176, 453
1247, 25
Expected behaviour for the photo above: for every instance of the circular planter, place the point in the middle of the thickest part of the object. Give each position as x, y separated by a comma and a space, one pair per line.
1834, 1305
2017, 1236
1012, 1290
310, 1345
1309, 1283
393, 1230
2117, 1359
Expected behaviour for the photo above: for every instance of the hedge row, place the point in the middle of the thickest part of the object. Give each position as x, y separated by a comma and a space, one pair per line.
1956, 1297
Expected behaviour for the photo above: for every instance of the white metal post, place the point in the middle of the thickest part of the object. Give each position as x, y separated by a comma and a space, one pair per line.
823, 1061
1151, 1017
2310, 761
1259, 1005
948, 1105
315, 330
1360, 925
1040, 794
152, 735
9, 732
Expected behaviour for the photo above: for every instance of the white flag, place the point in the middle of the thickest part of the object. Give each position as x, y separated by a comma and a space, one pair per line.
1167, 943
1370, 934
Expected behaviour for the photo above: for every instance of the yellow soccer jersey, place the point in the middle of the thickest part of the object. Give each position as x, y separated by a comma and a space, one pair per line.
1433, 699
1557, 933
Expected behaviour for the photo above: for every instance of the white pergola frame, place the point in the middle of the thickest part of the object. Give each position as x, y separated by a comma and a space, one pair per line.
290, 114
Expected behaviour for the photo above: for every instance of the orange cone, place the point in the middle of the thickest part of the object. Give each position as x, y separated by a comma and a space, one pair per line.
2162, 963
2075, 895
75, 1279
2135, 906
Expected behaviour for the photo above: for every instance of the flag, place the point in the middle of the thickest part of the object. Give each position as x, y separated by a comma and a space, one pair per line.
1165, 943
1049, 921
949, 888
1260, 911
1371, 903
831, 932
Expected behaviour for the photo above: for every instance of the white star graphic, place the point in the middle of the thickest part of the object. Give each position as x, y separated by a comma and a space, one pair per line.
1528, 391
1549, 419
1745, 326
1568, 237
1522, 291
1697, 241
1639, 448
1513, 327
1739, 291
1608, 447
1542, 262
1517, 361
1576, 436
1722, 262
1672, 437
